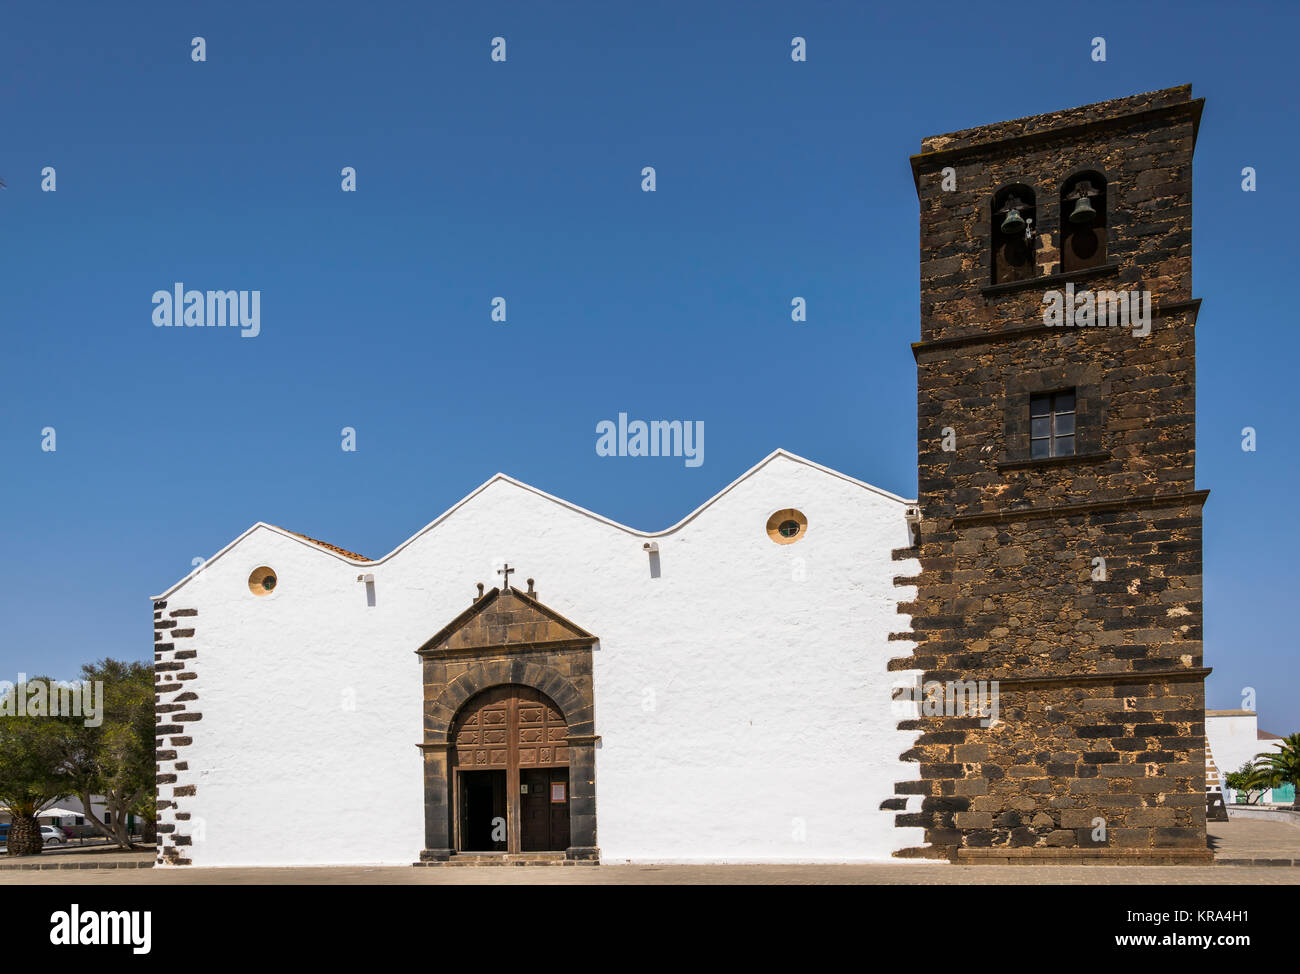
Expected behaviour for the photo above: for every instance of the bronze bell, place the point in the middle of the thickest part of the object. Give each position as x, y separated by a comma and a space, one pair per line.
1083, 211
1014, 222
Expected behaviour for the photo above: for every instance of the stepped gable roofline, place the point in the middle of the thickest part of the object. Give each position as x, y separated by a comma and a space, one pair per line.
354, 559
938, 150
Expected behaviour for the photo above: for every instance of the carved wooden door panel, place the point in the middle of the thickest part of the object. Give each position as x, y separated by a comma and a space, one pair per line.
545, 808
482, 738
514, 728
540, 731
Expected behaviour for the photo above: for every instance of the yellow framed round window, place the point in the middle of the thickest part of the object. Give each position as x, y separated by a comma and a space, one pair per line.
262, 581
787, 526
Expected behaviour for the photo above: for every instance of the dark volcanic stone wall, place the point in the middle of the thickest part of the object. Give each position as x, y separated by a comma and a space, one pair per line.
1099, 752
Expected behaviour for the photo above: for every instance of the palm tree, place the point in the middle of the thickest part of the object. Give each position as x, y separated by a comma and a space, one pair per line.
28, 783
1280, 767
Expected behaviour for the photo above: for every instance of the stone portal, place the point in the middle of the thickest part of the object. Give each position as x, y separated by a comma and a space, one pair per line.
509, 732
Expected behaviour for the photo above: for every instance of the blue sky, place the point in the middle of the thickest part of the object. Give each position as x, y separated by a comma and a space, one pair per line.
522, 179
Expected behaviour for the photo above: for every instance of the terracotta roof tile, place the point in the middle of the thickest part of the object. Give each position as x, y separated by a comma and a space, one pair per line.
329, 547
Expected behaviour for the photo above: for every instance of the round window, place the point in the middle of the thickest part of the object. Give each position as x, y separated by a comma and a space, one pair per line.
262, 581
787, 526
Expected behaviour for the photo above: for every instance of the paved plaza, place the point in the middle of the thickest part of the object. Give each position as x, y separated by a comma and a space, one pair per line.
613, 875
1233, 842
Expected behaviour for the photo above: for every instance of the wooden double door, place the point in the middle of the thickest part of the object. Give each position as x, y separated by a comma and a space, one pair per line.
510, 772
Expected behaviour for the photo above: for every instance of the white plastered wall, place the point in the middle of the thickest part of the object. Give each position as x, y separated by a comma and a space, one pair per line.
742, 697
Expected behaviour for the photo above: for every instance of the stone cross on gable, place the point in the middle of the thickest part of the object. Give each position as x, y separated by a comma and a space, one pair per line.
506, 571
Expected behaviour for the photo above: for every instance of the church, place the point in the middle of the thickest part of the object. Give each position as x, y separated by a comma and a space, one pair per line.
524, 680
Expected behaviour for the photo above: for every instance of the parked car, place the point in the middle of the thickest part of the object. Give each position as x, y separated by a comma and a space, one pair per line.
52, 835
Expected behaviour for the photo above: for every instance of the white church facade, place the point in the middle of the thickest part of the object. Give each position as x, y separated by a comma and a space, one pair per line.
523, 677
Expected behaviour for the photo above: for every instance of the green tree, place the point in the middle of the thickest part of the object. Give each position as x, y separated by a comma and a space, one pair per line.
1280, 767
115, 758
147, 809
30, 747
1242, 781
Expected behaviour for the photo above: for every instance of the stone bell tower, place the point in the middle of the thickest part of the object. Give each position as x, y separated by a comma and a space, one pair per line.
1060, 534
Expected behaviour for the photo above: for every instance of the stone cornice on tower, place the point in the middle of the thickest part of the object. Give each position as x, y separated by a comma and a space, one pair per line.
1145, 109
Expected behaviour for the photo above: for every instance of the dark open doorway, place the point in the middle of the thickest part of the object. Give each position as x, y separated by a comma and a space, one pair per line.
483, 811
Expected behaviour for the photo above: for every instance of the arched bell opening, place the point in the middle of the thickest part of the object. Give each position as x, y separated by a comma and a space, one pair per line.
1083, 221
1011, 230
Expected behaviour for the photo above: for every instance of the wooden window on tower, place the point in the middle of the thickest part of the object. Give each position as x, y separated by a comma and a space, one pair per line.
1051, 424
1011, 233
